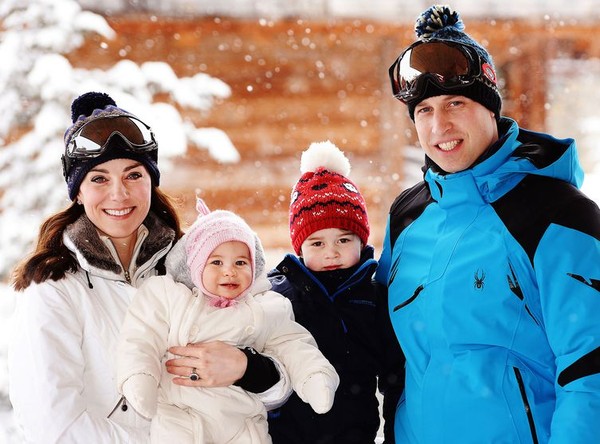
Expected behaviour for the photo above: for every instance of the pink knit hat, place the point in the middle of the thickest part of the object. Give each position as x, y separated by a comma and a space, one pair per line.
324, 197
210, 230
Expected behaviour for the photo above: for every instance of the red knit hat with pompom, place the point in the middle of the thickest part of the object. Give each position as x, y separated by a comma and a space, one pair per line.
324, 197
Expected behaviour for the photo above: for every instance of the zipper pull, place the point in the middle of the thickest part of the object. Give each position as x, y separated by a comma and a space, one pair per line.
127, 277
122, 403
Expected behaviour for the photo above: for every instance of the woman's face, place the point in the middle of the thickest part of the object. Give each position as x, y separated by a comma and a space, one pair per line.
116, 198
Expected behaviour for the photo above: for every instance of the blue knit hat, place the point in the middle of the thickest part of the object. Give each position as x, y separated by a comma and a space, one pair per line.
92, 106
440, 23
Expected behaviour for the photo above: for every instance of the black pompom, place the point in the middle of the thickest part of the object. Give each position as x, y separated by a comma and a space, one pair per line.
86, 103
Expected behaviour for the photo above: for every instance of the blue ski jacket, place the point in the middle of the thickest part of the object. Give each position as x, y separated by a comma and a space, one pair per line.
493, 276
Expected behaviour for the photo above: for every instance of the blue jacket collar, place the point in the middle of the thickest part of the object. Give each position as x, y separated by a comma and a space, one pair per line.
517, 153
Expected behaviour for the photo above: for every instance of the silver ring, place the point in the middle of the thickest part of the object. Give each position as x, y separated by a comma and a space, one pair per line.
194, 376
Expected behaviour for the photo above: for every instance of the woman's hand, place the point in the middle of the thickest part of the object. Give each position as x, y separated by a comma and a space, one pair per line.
216, 363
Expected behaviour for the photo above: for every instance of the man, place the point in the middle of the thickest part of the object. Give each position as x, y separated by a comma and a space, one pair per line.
492, 262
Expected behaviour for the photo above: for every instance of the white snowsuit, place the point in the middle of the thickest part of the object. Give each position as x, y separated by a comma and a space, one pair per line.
165, 313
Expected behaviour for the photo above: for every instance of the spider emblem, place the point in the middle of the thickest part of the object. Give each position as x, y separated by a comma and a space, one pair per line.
479, 280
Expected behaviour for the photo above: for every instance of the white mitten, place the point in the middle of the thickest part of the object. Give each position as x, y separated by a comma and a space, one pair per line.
318, 391
141, 391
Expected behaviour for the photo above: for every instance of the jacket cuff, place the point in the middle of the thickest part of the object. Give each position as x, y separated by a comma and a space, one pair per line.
261, 372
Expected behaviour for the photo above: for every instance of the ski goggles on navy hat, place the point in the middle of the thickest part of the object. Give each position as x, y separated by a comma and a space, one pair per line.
107, 136
438, 67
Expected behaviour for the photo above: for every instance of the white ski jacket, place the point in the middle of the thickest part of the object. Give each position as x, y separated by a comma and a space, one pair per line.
61, 354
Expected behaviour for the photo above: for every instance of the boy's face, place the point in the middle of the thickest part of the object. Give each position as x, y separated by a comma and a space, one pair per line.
331, 249
228, 270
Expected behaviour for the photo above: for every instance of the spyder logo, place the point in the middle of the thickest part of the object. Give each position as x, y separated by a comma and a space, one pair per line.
479, 283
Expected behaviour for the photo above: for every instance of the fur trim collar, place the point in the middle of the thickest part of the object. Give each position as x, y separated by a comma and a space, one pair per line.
85, 238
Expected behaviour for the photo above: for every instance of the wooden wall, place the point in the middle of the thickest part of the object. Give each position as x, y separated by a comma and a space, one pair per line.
295, 82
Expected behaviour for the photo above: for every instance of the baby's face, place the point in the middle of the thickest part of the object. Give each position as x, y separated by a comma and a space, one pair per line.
228, 270
331, 249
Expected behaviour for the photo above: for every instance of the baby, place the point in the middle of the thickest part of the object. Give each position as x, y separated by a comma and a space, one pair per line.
216, 289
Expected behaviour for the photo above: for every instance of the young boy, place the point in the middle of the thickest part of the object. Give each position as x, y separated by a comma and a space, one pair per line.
330, 286
216, 289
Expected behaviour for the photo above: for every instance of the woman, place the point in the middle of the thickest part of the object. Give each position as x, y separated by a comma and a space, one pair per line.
79, 281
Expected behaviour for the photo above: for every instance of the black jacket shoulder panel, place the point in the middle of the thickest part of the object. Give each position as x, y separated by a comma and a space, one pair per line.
541, 151
407, 207
538, 201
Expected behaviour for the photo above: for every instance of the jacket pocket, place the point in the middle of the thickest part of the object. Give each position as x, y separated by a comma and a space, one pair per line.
418, 290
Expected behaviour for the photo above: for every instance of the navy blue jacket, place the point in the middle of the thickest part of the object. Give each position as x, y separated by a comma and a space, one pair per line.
352, 328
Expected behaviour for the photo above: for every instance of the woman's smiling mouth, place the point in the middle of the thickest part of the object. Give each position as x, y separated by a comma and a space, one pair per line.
122, 212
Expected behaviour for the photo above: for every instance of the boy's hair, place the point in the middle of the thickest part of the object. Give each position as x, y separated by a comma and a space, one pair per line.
324, 197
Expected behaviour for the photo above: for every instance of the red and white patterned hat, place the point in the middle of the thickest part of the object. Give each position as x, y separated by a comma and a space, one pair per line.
324, 197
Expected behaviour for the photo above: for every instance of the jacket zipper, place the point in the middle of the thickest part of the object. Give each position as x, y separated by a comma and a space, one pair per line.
122, 403
526, 405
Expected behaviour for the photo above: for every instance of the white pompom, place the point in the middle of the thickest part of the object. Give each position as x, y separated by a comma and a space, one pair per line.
325, 155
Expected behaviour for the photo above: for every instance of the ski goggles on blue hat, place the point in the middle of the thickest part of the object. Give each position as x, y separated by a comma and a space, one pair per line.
94, 137
450, 66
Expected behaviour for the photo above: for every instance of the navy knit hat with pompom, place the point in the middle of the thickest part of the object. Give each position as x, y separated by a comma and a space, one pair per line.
442, 23
91, 106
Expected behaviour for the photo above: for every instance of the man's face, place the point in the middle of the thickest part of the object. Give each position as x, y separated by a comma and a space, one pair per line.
454, 130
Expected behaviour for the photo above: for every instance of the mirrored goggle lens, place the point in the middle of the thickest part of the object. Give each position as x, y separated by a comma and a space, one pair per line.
450, 66
92, 138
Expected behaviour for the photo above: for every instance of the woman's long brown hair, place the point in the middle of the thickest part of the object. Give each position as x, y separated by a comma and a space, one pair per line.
52, 260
